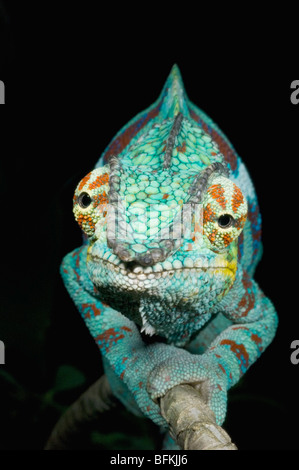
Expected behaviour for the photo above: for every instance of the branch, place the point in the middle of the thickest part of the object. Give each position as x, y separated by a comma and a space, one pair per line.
89, 406
192, 423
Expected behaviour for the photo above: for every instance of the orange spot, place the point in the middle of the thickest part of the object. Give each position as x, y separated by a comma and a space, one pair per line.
237, 198
99, 181
96, 311
100, 199
182, 148
238, 349
208, 214
125, 328
217, 193
212, 235
258, 341
247, 302
240, 222
227, 239
84, 181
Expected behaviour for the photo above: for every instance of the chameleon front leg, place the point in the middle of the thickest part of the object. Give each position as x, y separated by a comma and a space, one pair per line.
253, 323
127, 360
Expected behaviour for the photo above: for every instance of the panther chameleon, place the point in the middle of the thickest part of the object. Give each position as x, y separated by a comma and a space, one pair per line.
172, 237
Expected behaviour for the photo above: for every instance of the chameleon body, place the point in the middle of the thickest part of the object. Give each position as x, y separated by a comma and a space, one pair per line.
172, 238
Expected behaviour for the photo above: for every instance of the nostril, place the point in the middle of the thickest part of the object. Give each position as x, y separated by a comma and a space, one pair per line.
123, 253
131, 265
157, 255
154, 256
147, 260
128, 255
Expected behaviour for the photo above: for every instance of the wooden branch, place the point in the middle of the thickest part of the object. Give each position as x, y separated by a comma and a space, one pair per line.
91, 404
192, 423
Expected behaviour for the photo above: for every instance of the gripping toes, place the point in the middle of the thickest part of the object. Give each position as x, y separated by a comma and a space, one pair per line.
199, 371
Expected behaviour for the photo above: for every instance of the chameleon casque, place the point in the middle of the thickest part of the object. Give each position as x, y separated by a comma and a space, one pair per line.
172, 239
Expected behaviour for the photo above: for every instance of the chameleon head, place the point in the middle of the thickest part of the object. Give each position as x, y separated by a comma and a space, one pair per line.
162, 218
130, 261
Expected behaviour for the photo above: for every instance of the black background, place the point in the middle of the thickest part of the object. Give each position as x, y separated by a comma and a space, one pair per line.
74, 76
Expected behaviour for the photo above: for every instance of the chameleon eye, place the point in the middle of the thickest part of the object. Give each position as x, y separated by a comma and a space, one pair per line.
225, 221
84, 200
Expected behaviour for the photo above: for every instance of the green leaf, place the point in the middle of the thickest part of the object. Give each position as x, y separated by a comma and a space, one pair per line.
68, 377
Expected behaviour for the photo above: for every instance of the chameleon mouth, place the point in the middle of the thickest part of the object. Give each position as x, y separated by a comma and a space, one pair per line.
166, 269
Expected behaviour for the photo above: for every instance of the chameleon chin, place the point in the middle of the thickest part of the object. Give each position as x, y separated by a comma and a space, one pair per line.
149, 265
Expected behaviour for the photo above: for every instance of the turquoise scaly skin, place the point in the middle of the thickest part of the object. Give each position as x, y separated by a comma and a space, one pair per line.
192, 290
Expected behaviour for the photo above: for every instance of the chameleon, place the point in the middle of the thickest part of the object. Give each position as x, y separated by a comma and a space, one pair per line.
171, 239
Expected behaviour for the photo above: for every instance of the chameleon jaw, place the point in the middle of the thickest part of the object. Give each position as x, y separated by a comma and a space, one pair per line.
138, 278
141, 294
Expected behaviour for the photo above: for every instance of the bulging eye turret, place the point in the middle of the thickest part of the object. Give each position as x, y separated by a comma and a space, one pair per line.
224, 213
91, 199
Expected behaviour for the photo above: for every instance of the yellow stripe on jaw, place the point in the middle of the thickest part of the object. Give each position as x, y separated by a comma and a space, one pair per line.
228, 258
89, 255
228, 277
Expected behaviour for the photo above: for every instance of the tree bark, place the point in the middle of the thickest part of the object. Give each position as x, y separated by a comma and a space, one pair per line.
192, 424
89, 406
